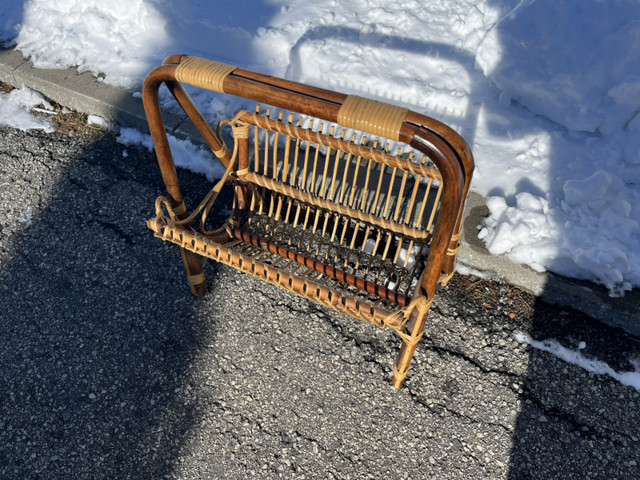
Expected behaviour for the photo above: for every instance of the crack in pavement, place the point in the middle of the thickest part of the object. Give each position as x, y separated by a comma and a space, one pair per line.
419, 399
476, 363
571, 420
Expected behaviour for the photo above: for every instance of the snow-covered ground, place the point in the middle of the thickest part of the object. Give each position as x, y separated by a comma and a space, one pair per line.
547, 93
16, 107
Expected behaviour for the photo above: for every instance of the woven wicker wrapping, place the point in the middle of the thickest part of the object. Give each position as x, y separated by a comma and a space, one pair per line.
324, 210
371, 116
203, 73
327, 218
247, 259
350, 211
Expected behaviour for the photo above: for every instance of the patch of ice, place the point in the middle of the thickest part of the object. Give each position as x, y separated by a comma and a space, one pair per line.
631, 379
15, 107
27, 216
406, 258
369, 245
99, 121
466, 270
133, 136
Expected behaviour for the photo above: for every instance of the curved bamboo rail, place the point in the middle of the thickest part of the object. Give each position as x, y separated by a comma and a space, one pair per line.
448, 151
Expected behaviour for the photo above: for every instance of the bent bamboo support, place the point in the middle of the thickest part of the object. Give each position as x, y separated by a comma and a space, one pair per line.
449, 153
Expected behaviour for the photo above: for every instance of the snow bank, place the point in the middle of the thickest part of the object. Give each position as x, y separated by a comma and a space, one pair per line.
115, 39
547, 93
576, 62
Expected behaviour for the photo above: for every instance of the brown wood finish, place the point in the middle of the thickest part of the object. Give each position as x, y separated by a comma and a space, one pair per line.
191, 261
443, 146
216, 144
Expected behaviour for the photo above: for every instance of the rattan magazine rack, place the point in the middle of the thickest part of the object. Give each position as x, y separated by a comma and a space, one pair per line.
350, 202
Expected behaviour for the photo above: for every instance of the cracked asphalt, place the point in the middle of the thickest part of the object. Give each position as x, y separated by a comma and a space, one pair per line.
110, 368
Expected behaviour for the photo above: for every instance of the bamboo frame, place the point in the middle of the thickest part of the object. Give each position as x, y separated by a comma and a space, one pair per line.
329, 222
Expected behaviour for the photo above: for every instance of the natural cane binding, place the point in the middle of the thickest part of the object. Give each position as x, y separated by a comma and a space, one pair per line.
371, 116
324, 207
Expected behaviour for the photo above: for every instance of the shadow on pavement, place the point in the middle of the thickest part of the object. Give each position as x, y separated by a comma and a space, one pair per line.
565, 408
98, 328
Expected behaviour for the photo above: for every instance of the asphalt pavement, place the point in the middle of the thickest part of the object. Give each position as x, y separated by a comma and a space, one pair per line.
110, 367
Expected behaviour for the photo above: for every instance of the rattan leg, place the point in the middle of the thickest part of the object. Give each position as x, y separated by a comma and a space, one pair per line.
195, 273
402, 363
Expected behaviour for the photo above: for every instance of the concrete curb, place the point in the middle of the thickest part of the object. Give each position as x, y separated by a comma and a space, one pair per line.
84, 93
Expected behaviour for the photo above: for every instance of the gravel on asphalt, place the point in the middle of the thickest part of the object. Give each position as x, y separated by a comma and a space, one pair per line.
110, 368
